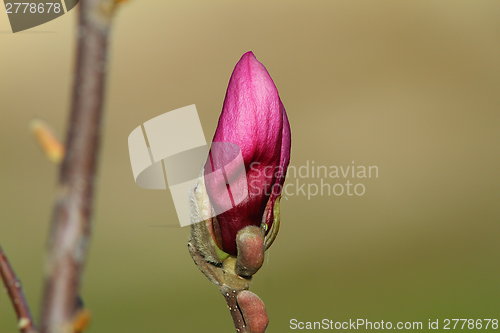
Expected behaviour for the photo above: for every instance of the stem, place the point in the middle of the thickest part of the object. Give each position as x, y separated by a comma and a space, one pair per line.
16, 295
232, 304
218, 276
71, 223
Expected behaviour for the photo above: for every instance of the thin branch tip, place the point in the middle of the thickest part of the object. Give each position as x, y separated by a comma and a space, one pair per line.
14, 290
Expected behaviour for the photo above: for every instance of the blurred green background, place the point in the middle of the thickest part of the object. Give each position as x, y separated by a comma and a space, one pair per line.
412, 87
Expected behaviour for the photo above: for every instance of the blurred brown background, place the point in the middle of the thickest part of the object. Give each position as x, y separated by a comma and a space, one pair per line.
411, 87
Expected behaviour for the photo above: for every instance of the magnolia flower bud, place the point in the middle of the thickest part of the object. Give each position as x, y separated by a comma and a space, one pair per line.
254, 120
237, 195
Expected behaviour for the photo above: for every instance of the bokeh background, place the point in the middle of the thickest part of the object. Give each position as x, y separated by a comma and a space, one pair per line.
412, 87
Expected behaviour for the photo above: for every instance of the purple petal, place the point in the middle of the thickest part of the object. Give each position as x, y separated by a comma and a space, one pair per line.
254, 119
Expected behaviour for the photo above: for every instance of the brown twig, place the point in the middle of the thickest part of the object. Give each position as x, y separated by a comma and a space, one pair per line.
230, 295
248, 313
16, 295
70, 230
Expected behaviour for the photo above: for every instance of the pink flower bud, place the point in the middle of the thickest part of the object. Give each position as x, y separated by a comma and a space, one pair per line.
254, 124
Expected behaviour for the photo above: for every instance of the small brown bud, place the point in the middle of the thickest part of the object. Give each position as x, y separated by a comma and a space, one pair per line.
250, 244
254, 312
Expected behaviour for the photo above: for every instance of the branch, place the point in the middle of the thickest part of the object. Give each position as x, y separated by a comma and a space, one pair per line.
16, 295
71, 224
230, 295
247, 309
